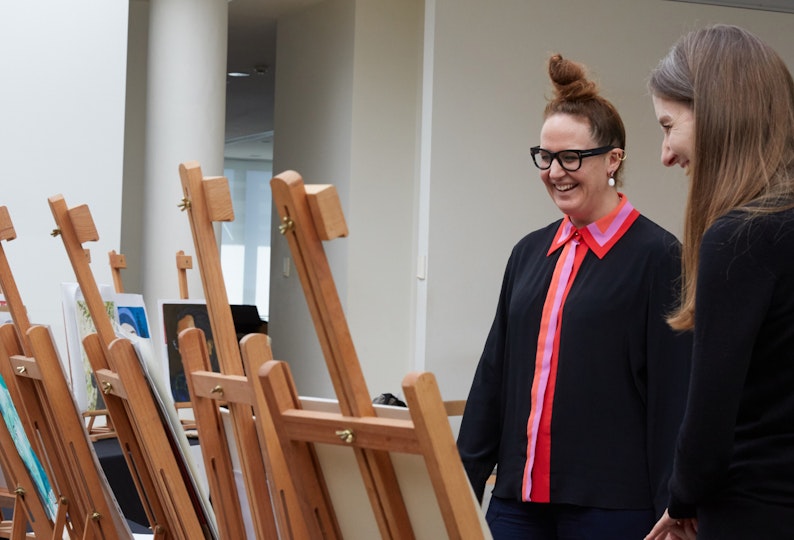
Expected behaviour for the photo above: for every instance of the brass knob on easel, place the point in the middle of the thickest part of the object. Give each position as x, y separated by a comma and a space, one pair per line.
55, 232
96, 516
106, 387
217, 390
184, 204
21, 369
19, 491
346, 435
286, 225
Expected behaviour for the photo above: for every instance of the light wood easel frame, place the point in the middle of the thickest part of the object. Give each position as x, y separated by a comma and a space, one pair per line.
207, 200
309, 215
154, 461
38, 387
118, 262
27, 506
183, 264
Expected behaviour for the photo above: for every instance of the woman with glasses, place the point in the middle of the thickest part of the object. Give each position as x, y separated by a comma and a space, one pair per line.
580, 388
725, 101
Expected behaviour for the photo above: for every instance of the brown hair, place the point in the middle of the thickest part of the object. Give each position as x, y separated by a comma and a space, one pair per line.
577, 95
742, 97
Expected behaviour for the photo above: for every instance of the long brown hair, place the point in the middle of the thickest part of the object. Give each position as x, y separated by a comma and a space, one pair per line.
577, 95
742, 97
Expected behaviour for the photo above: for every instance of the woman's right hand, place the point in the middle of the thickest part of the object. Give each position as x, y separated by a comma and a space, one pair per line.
668, 528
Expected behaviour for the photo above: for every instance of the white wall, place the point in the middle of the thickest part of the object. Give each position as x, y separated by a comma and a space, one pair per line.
381, 266
490, 86
61, 132
314, 78
347, 103
484, 93
134, 195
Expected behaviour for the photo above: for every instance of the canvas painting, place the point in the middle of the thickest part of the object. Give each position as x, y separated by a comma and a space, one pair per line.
78, 324
180, 314
176, 316
193, 471
32, 463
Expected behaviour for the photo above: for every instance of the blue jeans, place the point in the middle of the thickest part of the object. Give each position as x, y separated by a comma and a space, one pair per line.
513, 520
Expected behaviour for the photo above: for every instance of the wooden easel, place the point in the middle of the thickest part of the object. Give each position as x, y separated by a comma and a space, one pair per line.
291, 199
118, 262
36, 382
27, 506
309, 215
207, 200
423, 430
153, 457
91, 507
183, 264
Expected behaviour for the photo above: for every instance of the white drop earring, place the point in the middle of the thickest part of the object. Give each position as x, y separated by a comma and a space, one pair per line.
611, 181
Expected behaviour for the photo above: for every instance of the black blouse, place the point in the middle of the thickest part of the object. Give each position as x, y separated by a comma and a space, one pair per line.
621, 375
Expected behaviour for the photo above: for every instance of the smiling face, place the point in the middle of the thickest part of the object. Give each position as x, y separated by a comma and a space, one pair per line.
583, 195
678, 125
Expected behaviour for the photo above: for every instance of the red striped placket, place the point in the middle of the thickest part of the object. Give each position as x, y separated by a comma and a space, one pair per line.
598, 237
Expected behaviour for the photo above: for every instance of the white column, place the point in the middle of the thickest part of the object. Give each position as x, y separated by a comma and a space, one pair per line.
185, 121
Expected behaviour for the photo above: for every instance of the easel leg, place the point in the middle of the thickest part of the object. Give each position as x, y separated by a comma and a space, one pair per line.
88, 528
19, 523
60, 520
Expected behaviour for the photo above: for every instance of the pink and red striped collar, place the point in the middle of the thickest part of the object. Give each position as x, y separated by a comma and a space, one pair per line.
600, 235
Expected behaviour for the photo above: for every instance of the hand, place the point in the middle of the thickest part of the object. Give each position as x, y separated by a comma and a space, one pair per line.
668, 528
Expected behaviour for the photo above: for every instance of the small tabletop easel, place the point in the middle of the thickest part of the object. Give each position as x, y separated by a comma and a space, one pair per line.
37, 384
207, 200
309, 215
162, 479
118, 262
183, 264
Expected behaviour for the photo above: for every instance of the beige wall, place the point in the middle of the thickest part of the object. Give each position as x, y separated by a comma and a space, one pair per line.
438, 166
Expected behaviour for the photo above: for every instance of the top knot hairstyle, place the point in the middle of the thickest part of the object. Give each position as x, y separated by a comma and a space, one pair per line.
570, 81
576, 95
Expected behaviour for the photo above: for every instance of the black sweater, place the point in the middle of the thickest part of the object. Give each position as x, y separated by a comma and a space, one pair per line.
737, 437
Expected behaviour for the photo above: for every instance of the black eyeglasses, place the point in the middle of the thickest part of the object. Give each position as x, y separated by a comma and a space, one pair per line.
570, 160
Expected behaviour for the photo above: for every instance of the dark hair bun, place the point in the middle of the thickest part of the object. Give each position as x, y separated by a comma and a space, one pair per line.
570, 81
